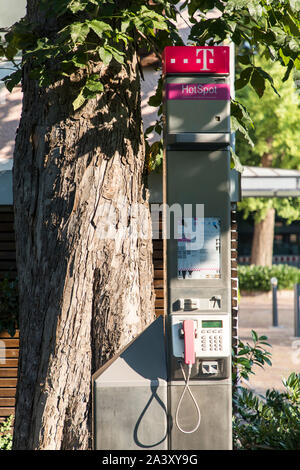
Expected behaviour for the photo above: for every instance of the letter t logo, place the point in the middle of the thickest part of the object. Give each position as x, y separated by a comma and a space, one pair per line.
205, 58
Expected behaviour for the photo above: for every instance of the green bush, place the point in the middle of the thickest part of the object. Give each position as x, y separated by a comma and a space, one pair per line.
258, 278
270, 422
6, 434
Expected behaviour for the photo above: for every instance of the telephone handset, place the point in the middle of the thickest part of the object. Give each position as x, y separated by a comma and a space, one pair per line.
189, 334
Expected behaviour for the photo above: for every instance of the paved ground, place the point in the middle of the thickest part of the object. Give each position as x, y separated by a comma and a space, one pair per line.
256, 313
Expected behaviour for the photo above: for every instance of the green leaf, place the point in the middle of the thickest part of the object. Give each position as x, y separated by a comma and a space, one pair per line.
125, 25
238, 126
99, 27
117, 55
79, 32
295, 5
236, 163
93, 84
262, 338
78, 60
254, 336
78, 102
244, 59
12, 80
76, 5
105, 55
258, 82
244, 78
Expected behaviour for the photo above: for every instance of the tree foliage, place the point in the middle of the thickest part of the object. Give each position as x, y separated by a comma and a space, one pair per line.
275, 135
93, 30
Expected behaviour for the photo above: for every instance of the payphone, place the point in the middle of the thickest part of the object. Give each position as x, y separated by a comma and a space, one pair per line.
197, 171
179, 397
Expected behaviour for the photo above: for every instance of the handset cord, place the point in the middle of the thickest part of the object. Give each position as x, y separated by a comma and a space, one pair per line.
187, 388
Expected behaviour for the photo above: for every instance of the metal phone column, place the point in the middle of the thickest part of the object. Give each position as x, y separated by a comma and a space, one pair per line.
197, 172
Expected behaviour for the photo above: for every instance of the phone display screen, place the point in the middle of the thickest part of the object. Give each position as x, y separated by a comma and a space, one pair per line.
212, 324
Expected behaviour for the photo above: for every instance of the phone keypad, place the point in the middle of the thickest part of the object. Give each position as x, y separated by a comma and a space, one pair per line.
211, 340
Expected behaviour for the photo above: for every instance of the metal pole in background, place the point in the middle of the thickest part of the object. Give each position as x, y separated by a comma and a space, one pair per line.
274, 284
297, 309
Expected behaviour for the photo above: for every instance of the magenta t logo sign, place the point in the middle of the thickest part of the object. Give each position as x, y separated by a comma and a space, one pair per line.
194, 59
205, 59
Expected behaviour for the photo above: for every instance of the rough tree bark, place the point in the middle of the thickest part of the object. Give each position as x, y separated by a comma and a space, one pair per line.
82, 297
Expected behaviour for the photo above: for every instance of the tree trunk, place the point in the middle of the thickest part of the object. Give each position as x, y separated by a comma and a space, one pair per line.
84, 292
262, 243
263, 236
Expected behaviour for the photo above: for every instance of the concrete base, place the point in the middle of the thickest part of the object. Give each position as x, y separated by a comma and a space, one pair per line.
214, 432
130, 396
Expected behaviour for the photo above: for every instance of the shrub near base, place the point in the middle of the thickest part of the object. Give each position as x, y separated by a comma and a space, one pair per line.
258, 278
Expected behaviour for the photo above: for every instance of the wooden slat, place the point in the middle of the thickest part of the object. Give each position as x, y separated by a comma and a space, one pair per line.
6, 226
158, 283
157, 244
8, 372
8, 274
158, 263
6, 402
7, 236
157, 254
6, 383
7, 216
7, 245
7, 392
158, 274
159, 303
5, 334
7, 265
8, 255
10, 342
9, 363
10, 353
159, 293
7, 411
159, 311
6, 208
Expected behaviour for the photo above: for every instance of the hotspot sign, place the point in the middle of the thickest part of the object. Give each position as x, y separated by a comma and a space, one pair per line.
197, 91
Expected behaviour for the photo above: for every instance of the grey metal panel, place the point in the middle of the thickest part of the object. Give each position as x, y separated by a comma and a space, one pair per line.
199, 177
235, 186
270, 182
155, 188
130, 395
197, 116
214, 432
11, 11
131, 418
6, 192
